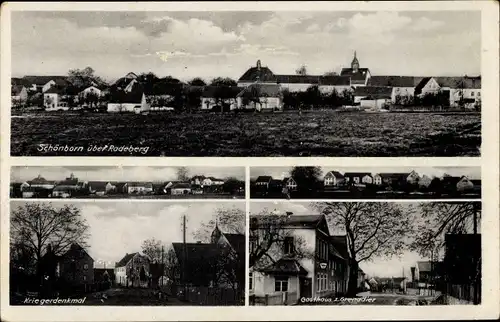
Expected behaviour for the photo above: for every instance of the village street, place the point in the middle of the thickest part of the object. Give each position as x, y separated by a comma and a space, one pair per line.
132, 296
412, 297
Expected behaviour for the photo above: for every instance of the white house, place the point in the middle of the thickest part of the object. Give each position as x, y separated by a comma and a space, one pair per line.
459, 89
260, 97
138, 187
180, 189
91, 90
464, 184
377, 180
129, 102
333, 179
211, 181
372, 97
403, 87
358, 177
290, 184
52, 99
321, 271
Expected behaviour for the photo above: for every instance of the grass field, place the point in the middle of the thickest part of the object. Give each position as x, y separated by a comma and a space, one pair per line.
321, 133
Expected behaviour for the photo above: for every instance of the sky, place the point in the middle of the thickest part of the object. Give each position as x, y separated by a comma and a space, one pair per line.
92, 173
117, 228
381, 267
208, 44
282, 172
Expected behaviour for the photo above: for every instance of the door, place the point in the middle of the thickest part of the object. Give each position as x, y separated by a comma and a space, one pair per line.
305, 287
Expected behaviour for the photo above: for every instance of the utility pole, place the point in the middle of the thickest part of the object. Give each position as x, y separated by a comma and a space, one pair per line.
184, 257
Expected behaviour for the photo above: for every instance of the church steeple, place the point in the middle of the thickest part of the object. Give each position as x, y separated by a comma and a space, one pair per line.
216, 233
355, 63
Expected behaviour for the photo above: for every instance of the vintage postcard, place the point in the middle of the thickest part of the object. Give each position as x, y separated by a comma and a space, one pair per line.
250, 161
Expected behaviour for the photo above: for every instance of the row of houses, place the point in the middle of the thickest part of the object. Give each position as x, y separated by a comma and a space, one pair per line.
336, 180
307, 262
258, 88
371, 91
194, 263
73, 186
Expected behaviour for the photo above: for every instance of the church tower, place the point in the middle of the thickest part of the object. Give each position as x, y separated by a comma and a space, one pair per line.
355, 64
216, 234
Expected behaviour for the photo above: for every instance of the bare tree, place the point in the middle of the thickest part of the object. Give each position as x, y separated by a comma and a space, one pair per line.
230, 220
302, 70
182, 174
35, 226
268, 234
373, 230
440, 218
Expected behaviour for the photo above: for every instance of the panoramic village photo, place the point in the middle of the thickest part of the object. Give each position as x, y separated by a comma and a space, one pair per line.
348, 84
365, 183
146, 182
365, 253
127, 253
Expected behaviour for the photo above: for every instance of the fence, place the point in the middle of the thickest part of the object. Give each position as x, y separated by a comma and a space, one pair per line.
283, 298
212, 296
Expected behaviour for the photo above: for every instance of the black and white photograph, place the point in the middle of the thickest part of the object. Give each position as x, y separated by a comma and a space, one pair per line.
308, 182
246, 83
127, 253
141, 182
365, 253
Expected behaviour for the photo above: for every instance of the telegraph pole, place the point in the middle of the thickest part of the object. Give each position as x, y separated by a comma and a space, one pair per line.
183, 266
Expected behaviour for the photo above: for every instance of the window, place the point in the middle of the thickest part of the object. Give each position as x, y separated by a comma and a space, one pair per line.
250, 281
86, 266
288, 245
479, 94
472, 94
253, 244
281, 283
84, 277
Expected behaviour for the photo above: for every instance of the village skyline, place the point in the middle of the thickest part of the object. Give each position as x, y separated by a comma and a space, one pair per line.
224, 44
128, 173
284, 172
377, 266
120, 228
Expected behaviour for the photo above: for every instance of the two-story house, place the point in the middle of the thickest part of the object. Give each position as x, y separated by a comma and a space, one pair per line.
333, 179
132, 270
306, 262
358, 178
290, 184
397, 180
139, 187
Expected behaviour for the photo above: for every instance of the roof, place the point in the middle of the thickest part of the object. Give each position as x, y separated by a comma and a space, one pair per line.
285, 266
451, 82
264, 179
359, 75
134, 97
426, 266
392, 81
229, 91
302, 221
42, 80
64, 187
55, 90
258, 73
288, 179
181, 185
69, 182
40, 180
394, 175
125, 260
237, 241
335, 80
263, 90
98, 185
357, 174
198, 262
336, 174
76, 250
421, 84
373, 91
340, 244
297, 79
139, 184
